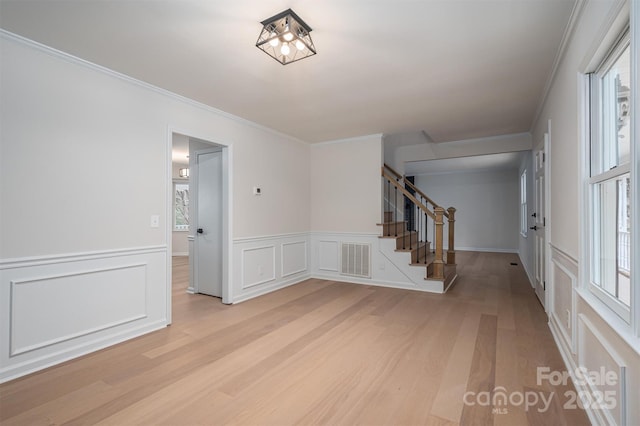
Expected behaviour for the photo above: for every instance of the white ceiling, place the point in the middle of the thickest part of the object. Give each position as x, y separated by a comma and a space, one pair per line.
493, 162
457, 69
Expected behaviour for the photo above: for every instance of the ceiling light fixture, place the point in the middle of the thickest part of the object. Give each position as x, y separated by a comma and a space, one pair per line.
283, 31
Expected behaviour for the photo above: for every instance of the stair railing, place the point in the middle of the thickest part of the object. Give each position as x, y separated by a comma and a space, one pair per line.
397, 184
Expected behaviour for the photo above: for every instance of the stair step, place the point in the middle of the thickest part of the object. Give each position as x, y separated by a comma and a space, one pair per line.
418, 250
425, 261
392, 229
405, 240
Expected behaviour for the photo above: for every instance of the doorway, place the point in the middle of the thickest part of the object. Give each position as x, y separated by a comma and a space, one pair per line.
209, 252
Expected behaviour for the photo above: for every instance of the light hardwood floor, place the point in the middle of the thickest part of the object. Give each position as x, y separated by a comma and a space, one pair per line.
320, 352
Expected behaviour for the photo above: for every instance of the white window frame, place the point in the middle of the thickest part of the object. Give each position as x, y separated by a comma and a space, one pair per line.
176, 227
524, 216
628, 330
596, 177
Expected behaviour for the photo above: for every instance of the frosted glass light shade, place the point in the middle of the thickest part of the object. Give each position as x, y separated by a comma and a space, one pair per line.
286, 28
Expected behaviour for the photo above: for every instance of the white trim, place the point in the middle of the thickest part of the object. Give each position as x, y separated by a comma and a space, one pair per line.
610, 174
485, 250
526, 270
306, 261
270, 237
278, 285
614, 24
617, 324
621, 403
180, 254
24, 262
568, 332
348, 140
13, 283
83, 62
569, 30
266, 280
48, 360
473, 141
635, 168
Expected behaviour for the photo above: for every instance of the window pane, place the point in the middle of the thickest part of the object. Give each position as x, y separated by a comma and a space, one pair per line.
616, 127
612, 227
181, 207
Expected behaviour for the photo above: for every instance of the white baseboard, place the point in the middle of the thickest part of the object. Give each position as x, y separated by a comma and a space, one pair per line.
486, 250
262, 290
22, 369
268, 263
526, 270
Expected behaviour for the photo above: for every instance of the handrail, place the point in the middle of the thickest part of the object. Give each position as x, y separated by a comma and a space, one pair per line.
398, 175
415, 188
408, 195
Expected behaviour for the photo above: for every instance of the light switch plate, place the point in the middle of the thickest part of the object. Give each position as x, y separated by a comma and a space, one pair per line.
155, 221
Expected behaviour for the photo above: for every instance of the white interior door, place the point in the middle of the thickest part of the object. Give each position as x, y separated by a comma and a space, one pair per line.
208, 237
540, 221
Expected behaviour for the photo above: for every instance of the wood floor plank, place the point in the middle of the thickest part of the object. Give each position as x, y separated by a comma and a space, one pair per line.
320, 352
482, 377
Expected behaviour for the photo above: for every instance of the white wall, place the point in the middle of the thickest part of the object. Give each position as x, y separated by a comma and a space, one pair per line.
487, 203
587, 333
346, 185
84, 158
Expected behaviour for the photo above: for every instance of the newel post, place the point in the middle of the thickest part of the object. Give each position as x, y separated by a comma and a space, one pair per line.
438, 263
451, 253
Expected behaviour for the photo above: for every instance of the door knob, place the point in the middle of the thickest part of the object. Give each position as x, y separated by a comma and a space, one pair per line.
200, 231
534, 227
534, 215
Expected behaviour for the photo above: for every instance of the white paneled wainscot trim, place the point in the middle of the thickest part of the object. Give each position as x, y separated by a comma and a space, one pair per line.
326, 259
562, 298
54, 308
265, 264
597, 354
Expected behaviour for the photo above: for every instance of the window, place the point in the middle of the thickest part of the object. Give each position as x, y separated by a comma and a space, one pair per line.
181, 207
610, 179
523, 203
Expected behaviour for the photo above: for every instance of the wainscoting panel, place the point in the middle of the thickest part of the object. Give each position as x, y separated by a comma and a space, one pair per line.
258, 266
55, 308
563, 283
265, 264
325, 264
294, 258
60, 317
328, 256
596, 355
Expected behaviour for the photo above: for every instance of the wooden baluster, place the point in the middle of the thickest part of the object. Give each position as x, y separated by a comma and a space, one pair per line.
451, 253
438, 263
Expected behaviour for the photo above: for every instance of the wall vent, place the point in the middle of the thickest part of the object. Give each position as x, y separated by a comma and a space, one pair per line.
356, 260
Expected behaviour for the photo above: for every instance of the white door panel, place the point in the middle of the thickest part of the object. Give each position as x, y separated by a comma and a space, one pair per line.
209, 226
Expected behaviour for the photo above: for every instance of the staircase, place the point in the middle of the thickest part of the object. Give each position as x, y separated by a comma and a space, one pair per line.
410, 219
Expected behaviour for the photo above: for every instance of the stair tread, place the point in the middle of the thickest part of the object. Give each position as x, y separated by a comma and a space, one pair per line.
430, 259
400, 235
398, 222
420, 244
